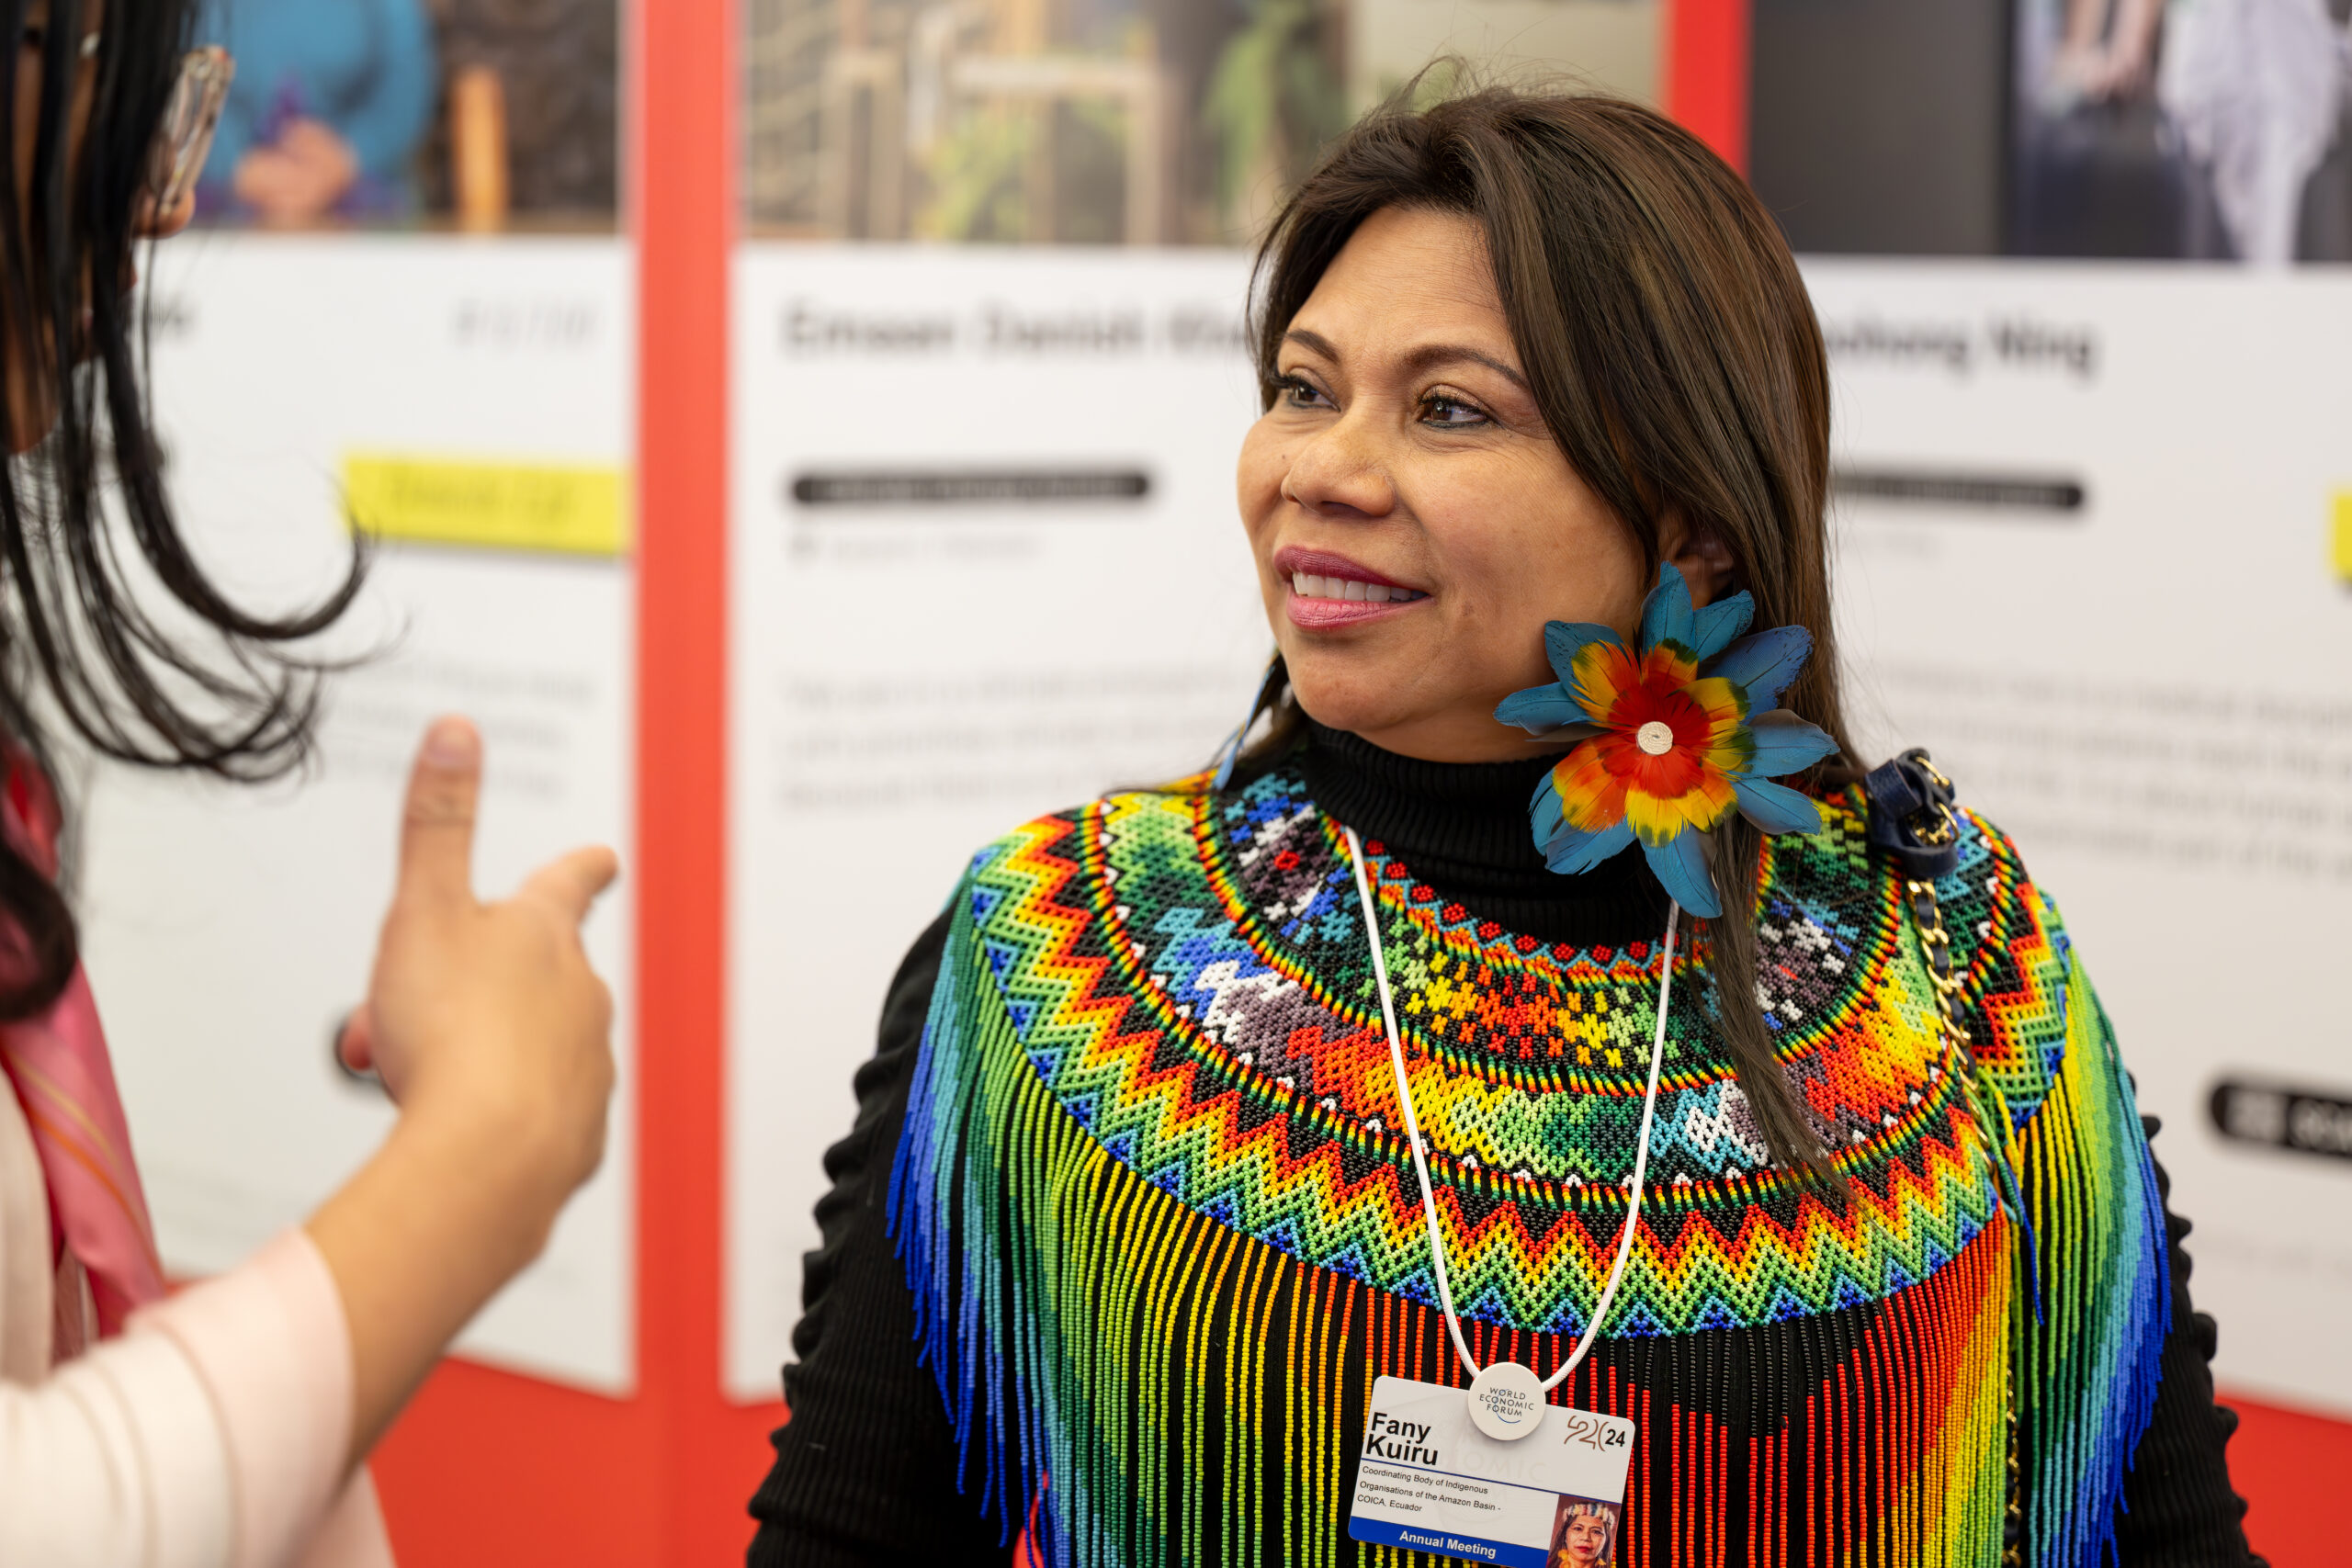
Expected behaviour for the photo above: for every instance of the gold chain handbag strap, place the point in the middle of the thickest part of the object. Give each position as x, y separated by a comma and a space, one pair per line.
1985, 1101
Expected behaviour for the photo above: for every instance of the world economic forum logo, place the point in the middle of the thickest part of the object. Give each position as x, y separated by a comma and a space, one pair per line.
1510, 1407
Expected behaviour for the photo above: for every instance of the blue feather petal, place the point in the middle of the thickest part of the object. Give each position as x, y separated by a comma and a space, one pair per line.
1718, 624
1681, 865
1540, 708
1764, 664
1563, 638
1786, 744
1776, 808
1667, 615
1544, 818
1572, 850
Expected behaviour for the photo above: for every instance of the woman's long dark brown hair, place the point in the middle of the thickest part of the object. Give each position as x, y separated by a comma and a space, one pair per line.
111, 627
1669, 342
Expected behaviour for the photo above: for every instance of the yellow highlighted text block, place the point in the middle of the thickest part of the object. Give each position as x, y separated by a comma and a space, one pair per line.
491, 506
2340, 549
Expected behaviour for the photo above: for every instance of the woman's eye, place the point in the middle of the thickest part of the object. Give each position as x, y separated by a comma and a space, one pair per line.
1439, 408
1301, 394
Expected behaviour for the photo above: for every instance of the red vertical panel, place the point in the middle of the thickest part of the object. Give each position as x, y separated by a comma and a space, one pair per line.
711, 1455
1705, 79
683, 233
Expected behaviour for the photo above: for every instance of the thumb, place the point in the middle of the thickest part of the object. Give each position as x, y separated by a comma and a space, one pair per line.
437, 823
570, 884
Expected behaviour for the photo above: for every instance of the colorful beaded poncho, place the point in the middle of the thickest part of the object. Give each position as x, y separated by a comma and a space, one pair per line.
1162, 1232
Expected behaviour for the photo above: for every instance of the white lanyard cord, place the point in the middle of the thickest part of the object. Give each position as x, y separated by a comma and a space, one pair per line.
1420, 1162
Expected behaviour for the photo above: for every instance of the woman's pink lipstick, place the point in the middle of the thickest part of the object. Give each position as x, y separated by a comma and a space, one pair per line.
1329, 590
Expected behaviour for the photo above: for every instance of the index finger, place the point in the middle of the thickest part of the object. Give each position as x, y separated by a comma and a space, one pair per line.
437, 822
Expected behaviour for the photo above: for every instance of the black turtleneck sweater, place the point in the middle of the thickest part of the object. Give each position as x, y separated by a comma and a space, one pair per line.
1463, 828
866, 1469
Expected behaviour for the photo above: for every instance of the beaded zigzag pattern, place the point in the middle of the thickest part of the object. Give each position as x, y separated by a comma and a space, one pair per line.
1226, 1047
1155, 1033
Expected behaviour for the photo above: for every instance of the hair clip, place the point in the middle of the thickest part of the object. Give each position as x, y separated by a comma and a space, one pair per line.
1670, 740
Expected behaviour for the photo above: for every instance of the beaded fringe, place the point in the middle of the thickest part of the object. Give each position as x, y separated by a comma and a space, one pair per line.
1168, 1374
2091, 1362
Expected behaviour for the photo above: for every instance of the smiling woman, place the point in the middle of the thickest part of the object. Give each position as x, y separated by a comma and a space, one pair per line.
1372, 1059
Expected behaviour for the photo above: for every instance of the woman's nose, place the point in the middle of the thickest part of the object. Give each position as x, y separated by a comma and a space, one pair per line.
1341, 472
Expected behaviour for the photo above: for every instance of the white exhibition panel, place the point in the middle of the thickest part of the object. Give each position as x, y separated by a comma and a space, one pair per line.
2152, 689
2151, 692
228, 930
912, 679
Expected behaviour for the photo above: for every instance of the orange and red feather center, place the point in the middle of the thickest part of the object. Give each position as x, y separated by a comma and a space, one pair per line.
1613, 777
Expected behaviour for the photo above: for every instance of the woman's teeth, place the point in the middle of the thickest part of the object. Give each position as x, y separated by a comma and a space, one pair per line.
1307, 585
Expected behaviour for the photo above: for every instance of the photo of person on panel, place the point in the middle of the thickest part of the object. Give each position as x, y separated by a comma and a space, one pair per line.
331, 105
2204, 130
488, 114
1107, 121
2214, 131
1584, 1534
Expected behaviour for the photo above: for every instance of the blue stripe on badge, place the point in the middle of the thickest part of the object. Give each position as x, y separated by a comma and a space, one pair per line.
1470, 1548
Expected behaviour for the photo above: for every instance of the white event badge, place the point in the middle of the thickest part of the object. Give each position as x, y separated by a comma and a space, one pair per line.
1496, 1474
1431, 1480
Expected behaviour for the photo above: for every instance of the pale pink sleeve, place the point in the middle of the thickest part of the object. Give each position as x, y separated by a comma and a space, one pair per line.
212, 1434
116, 1461
272, 1348
353, 1535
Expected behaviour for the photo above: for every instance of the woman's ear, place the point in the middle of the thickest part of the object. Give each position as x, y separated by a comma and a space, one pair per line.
1700, 556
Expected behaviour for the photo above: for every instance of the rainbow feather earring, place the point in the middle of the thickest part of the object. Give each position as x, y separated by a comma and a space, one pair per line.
1673, 736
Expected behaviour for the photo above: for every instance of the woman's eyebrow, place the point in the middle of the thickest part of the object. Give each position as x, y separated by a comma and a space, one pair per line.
1423, 357
1314, 343
1430, 354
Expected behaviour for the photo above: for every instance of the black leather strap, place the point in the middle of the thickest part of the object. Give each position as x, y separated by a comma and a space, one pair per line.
1911, 815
